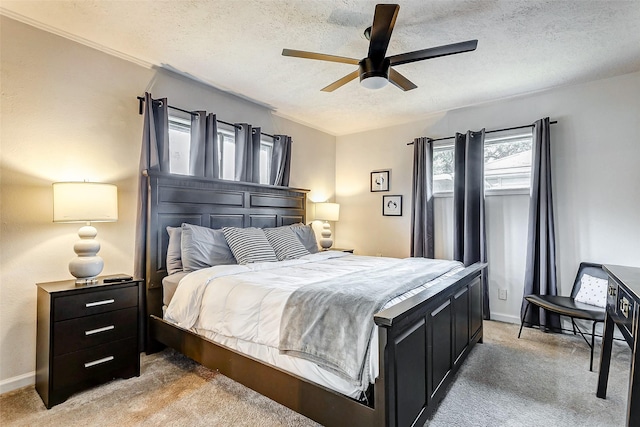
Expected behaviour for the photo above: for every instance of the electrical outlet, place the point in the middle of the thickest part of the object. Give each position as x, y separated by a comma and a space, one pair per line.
502, 294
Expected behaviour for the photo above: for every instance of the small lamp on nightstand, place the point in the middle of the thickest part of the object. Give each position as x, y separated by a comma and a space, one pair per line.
327, 212
85, 202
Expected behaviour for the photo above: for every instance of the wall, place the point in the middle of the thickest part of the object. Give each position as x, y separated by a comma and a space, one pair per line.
596, 181
70, 112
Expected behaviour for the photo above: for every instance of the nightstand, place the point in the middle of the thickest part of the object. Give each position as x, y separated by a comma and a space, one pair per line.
342, 250
86, 335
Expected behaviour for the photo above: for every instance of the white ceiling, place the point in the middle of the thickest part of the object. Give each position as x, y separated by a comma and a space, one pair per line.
236, 45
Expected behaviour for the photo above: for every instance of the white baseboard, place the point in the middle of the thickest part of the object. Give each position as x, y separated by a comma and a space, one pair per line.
15, 383
507, 318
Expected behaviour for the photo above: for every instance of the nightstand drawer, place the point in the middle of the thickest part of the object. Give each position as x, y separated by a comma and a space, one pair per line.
84, 332
86, 304
105, 361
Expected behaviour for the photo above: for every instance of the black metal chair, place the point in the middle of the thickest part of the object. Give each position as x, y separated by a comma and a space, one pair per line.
567, 306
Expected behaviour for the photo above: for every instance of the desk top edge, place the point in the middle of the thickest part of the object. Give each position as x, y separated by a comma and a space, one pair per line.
628, 276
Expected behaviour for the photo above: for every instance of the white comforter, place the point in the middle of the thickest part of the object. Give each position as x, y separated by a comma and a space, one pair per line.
240, 306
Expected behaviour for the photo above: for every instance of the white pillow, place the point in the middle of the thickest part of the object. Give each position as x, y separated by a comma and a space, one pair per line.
249, 245
593, 291
285, 243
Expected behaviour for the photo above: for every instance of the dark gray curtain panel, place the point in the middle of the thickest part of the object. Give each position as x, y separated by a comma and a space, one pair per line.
197, 143
154, 155
255, 148
469, 234
422, 222
211, 148
540, 273
280, 160
247, 159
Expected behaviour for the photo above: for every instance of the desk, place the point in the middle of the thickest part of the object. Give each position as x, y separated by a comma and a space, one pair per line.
623, 310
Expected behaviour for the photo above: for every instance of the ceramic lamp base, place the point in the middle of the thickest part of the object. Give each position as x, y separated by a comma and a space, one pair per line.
87, 265
326, 242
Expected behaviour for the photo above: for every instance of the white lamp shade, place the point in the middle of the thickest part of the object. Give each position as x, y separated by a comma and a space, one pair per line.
327, 211
85, 202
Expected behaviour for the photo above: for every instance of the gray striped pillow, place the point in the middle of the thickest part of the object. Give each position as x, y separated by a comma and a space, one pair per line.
249, 245
285, 243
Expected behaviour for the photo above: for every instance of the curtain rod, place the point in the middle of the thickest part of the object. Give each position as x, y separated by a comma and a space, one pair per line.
193, 113
489, 131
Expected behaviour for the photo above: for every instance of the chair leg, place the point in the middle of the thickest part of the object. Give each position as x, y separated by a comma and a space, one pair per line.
573, 323
593, 342
523, 317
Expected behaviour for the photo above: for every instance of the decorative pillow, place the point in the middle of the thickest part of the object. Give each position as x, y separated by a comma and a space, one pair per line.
593, 291
285, 243
249, 245
307, 236
204, 247
174, 256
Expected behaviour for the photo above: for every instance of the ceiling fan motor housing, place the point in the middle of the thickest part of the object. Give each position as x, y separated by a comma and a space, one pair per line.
369, 68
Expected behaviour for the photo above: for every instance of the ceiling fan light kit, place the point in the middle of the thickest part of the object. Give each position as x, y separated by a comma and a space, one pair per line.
375, 70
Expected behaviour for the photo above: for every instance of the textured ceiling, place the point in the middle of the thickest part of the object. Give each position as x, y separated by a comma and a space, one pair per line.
236, 46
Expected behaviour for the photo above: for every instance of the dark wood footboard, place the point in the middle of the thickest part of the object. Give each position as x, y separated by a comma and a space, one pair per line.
423, 342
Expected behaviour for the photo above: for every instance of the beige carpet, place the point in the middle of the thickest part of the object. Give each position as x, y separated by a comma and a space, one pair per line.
541, 379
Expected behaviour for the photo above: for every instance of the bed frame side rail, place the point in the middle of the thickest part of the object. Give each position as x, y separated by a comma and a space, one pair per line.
312, 400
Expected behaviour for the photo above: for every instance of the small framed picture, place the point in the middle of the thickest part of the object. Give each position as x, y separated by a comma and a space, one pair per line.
380, 181
392, 205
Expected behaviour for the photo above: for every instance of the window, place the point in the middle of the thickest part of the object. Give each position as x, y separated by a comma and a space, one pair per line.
443, 168
266, 150
180, 141
507, 162
227, 153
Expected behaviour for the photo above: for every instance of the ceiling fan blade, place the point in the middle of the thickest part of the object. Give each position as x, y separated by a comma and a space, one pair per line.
433, 52
384, 20
400, 81
319, 56
343, 81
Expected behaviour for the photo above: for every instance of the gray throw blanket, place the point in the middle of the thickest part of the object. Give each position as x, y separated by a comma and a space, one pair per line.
330, 323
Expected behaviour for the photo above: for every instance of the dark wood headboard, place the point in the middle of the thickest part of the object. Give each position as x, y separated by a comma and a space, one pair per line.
213, 203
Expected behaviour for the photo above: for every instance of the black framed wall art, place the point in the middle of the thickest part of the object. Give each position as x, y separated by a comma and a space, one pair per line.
380, 180
392, 205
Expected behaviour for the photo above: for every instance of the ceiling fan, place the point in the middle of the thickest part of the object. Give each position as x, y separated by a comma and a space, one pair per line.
375, 70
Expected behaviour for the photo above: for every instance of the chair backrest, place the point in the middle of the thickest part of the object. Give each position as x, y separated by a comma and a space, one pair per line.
591, 269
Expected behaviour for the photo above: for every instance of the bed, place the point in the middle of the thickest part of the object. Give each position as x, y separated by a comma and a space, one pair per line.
420, 339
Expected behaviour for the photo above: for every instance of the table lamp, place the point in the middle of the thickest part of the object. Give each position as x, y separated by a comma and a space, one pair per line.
327, 212
85, 202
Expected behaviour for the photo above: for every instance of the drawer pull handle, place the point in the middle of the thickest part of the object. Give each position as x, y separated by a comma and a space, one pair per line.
103, 302
99, 361
624, 307
98, 330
